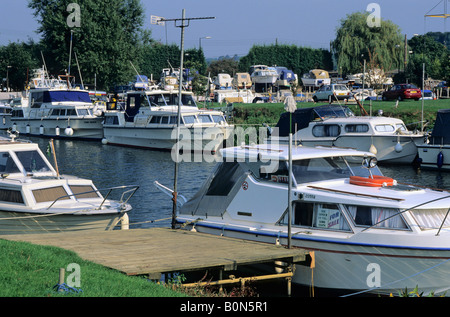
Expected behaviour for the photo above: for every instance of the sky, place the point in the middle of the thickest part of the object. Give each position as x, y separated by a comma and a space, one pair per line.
240, 24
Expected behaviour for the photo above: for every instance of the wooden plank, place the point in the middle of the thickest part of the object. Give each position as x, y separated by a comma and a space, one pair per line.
161, 250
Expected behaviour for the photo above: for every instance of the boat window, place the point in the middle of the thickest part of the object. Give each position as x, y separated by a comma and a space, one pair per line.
12, 196
157, 100
111, 120
218, 118
173, 119
326, 130
431, 218
376, 217
400, 127
49, 194
71, 112
205, 118
155, 119
189, 119
355, 128
7, 164
55, 112
83, 112
319, 169
36, 99
317, 215
384, 128
165, 120
224, 179
32, 161
83, 191
17, 113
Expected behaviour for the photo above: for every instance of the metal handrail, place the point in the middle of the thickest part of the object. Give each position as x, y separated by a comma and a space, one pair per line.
110, 189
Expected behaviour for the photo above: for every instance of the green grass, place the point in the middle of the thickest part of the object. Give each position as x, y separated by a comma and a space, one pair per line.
410, 111
28, 270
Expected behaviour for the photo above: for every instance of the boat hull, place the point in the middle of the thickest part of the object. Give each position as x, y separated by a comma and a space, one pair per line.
429, 155
358, 268
81, 128
27, 223
198, 139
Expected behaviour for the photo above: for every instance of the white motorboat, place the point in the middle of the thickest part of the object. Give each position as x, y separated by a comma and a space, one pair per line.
316, 78
35, 198
53, 108
331, 125
368, 232
434, 153
150, 120
262, 74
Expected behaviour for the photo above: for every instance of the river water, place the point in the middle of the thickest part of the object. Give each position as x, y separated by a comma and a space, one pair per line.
109, 166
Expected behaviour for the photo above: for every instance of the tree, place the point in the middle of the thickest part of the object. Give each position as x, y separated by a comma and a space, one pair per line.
17, 60
356, 41
224, 65
109, 36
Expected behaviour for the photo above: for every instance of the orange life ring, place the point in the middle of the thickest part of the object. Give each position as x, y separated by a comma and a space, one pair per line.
374, 181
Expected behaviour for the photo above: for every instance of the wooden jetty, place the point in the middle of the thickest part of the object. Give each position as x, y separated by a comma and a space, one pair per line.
156, 251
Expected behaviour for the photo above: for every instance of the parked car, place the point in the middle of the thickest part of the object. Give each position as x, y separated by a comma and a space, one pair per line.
332, 92
402, 91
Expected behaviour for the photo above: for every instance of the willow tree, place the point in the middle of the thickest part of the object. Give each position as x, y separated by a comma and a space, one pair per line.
381, 46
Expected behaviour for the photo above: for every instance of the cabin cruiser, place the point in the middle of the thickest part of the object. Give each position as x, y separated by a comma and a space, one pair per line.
35, 198
149, 119
336, 125
434, 153
53, 108
367, 232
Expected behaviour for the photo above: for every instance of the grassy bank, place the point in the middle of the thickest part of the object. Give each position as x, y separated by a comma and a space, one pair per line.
409, 111
29, 270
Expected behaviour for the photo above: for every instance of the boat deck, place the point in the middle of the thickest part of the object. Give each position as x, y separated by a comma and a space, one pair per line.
156, 251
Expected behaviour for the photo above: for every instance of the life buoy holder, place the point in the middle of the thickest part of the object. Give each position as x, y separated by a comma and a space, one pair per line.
374, 181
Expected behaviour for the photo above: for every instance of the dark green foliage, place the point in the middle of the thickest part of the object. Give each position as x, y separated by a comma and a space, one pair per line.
298, 59
109, 37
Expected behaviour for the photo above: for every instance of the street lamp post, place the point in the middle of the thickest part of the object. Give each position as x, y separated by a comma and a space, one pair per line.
200, 41
7, 77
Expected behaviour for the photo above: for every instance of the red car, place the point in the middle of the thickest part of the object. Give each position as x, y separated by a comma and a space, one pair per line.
402, 91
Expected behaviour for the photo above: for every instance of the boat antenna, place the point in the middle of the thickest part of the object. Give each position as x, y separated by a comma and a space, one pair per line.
70, 51
79, 71
182, 24
148, 100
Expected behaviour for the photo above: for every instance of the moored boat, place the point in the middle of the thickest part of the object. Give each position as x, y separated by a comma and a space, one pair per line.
35, 198
379, 239
330, 125
53, 108
434, 153
150, 121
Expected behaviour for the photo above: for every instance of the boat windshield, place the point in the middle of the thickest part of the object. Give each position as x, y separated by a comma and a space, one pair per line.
32, 161
170, 100
326, 168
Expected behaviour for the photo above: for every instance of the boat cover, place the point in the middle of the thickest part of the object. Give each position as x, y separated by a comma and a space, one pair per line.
64, 95
303, 116
441, 132
217, 192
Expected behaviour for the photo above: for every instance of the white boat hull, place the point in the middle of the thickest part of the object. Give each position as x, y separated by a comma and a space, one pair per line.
81, 128
316, 83
26, 223
198, 139
429, 156
387, 150
356, 267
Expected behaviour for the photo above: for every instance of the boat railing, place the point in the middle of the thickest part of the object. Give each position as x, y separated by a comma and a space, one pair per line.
419, 205
128, 192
